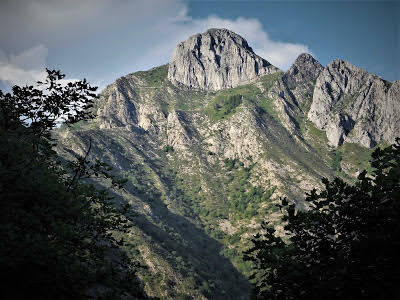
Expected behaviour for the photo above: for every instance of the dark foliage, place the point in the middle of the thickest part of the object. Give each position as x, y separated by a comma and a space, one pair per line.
345, 246
58, 234
168, 148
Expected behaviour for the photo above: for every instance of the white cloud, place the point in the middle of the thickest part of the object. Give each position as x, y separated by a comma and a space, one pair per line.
104, 39
25, 68
13, 75
181, 26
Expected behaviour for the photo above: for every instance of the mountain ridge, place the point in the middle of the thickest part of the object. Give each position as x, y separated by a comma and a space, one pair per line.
340, 79
205, 166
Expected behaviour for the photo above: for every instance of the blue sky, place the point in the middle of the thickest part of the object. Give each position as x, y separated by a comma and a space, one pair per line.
102, 40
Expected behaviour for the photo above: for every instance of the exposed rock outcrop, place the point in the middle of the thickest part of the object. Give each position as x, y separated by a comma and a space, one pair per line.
214, 60
292, 93
178, 136
354, 106
301, 77
118, 110
123, 105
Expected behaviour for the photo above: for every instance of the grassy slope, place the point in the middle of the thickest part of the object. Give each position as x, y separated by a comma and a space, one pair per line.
177, 226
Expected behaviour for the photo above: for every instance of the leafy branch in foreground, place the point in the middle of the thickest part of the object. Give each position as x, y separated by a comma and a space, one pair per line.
344, 246
58, 233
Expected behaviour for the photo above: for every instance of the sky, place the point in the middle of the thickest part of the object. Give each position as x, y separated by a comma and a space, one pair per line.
101, 40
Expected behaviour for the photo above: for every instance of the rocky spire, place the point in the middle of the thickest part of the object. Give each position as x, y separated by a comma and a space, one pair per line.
292, 92
304, 70
301, 77
214, 60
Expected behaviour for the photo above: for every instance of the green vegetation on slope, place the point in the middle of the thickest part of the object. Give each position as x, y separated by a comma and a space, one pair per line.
234, 200
268, 81
357, 157
244, 198
345, 245
173, 237
154, 76
60, 237
225, 102
268, 107
197, 211
222, 106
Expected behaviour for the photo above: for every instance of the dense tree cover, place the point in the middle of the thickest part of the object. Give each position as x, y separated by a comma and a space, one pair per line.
245, 198
58, 233
345, 246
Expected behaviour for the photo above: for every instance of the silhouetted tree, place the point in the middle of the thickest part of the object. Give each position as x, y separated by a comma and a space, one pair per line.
345, 246
57, 233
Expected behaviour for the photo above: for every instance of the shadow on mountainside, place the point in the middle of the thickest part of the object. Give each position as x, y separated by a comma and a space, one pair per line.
188, 250
198, 251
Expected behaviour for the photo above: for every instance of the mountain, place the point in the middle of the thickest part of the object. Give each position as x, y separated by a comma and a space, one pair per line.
210, 142
214, 60
350, 104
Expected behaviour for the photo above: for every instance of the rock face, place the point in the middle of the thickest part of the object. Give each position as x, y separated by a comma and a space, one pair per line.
215, 60
292, 93
124, 106
119, 109
354, 106
343, 100
301, 77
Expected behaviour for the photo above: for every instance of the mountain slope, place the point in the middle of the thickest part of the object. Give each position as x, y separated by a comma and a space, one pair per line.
206, 160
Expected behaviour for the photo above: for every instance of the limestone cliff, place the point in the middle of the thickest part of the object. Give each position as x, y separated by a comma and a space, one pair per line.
351, 105
292, 93
214, 60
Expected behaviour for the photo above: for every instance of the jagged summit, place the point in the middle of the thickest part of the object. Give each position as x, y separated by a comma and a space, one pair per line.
305, 70
214, 60
352, 105
237, 38
308, 65
305, 57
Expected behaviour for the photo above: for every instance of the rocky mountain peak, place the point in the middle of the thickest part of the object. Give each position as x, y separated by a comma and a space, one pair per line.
304, 57
305, 70
292, 93
307, 66
214, 60
352, 105
222, 33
